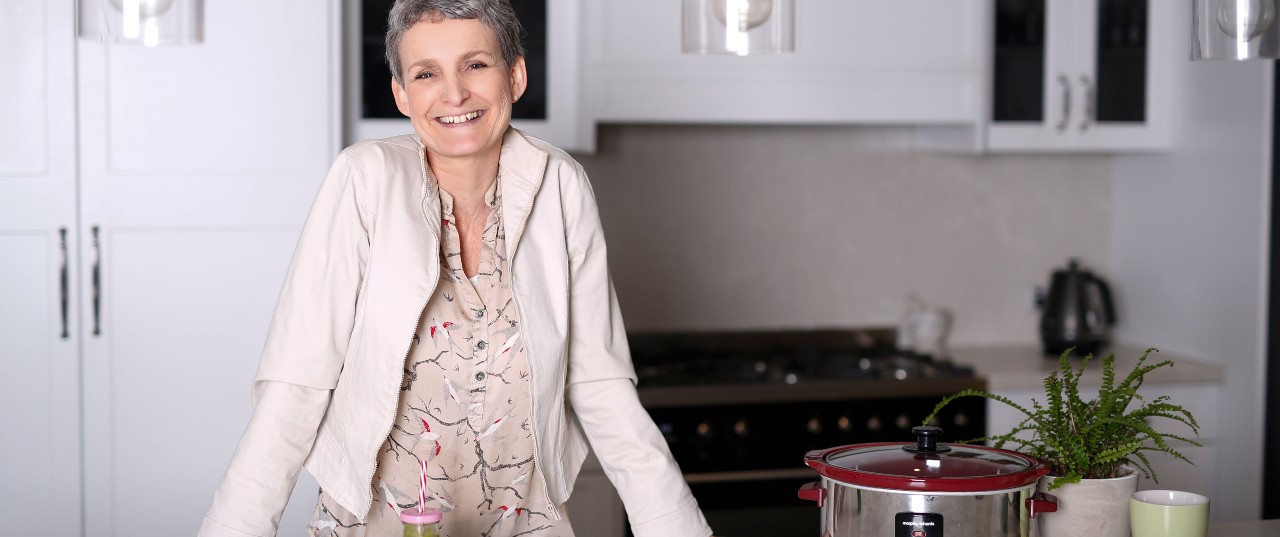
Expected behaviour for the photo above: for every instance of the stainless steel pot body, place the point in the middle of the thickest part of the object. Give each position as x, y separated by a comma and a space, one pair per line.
857, 511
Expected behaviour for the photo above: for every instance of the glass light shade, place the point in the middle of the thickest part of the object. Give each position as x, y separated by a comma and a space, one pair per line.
1235, 30
143, 22
739, 27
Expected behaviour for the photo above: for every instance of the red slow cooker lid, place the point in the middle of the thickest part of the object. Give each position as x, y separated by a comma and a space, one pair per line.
927, 466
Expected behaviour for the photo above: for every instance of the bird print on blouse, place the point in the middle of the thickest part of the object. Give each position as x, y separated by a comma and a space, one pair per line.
465, 410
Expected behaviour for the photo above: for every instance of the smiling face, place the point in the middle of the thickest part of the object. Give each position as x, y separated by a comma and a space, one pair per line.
457, 90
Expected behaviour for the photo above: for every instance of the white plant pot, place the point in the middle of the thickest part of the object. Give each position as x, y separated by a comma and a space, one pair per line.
1092, 507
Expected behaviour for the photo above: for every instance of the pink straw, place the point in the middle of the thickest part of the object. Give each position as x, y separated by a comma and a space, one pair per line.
422, 486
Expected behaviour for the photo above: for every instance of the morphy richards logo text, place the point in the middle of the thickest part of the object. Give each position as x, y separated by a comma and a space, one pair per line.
920, 523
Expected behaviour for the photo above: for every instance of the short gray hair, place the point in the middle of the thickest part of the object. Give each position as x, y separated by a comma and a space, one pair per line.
498, 15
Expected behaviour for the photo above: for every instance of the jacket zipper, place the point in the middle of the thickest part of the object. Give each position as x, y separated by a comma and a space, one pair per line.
418, 324
546, 493
524, 220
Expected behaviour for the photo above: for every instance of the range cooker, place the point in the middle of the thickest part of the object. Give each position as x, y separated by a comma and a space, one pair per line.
739, 411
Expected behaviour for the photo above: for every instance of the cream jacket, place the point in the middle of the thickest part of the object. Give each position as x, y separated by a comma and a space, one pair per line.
327, 388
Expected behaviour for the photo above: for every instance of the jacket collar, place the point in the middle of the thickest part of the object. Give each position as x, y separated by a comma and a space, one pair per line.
521, 167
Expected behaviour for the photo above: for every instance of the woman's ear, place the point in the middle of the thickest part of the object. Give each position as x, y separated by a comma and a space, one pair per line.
519, 79
402, 97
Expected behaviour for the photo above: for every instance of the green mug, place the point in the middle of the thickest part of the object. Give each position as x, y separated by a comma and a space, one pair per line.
1168, 513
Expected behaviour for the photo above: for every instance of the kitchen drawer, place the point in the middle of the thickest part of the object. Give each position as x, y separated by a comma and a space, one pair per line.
594, 507
1201, 400
1178, 475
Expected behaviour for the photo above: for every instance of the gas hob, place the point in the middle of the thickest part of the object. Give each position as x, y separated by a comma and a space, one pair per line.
701, 368
739, 410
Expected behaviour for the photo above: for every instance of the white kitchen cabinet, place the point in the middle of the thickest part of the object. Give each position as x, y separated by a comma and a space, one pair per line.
595, 508
39, 331
181, 176
1073, 76
1104, 80
856, 61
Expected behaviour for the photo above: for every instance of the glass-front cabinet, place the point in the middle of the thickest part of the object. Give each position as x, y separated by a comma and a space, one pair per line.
1077, 75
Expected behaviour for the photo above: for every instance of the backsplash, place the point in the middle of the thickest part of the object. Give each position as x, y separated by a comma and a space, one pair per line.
791, 227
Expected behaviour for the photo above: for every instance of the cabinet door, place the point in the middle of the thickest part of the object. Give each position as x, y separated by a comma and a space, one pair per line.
855, 61
595, 507
39, 399
198, 165
1104, 81
1034, 92
1123, 75
1201, 400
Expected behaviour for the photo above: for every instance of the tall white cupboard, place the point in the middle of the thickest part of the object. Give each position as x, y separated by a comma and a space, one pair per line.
150, 200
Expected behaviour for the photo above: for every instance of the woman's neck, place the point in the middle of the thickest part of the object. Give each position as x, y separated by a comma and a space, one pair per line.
466, 180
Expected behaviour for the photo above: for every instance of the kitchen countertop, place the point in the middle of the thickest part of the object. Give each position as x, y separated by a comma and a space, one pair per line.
1010, 367
1253, 528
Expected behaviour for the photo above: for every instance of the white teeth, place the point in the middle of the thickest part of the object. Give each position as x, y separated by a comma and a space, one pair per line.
461, 118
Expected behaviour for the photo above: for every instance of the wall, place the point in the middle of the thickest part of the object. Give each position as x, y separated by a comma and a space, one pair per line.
1189, 232
751, 227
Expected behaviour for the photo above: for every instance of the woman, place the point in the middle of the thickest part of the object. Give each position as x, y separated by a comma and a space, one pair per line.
449, 306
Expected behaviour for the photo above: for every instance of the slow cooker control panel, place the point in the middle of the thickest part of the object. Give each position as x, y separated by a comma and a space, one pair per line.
917, 525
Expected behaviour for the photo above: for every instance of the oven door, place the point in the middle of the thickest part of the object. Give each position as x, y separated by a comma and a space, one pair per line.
760, 503
750, 504
745, 462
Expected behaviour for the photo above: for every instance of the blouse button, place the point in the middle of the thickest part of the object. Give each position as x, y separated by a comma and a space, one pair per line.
481, 345
480, 376
479, 313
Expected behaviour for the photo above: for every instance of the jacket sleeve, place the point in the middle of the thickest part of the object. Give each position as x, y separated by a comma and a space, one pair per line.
602, 389
304, 352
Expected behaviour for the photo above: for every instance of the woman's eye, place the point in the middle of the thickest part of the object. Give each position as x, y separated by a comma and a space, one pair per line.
424, 74
476, 65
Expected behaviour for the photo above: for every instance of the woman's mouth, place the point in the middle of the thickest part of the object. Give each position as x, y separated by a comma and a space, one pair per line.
461, 118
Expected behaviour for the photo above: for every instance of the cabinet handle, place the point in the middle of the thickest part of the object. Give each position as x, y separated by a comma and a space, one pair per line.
96, 277
1066, 102
64, 300
1090, 102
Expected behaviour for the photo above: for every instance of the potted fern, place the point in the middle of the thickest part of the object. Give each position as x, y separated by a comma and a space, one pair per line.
1095, 448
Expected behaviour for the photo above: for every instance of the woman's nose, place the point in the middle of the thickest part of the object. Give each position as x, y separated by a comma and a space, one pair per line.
455, 90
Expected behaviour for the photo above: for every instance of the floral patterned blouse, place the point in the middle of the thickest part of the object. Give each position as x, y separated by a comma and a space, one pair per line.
465, 409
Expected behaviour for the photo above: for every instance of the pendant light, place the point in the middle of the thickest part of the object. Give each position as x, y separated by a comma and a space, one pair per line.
739, 27
144, 22
1235, 30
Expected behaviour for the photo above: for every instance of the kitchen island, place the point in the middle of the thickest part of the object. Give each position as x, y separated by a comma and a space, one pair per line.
1253, 528
1018, 372
1019, 367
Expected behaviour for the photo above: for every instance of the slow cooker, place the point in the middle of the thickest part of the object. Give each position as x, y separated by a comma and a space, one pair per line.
926, 489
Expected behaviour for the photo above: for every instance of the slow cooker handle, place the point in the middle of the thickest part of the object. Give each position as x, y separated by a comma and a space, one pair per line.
1041, 503
814, 492
926, 440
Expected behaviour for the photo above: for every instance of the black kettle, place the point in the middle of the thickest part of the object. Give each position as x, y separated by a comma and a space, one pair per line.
1078, 312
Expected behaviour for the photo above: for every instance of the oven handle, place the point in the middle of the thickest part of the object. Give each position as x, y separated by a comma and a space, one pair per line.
746, 475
